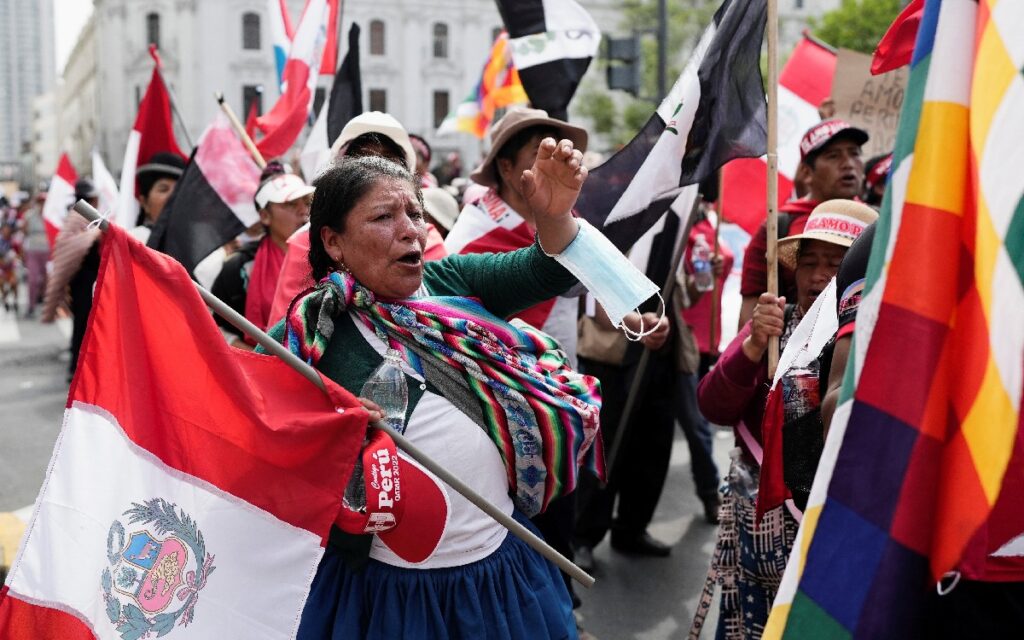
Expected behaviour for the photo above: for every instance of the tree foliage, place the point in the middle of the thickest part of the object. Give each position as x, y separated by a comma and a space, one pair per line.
856, 24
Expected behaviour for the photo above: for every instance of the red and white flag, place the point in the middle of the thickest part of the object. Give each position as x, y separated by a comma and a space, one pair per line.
59, 197
804, 82
153, 132
283, 124
192, 485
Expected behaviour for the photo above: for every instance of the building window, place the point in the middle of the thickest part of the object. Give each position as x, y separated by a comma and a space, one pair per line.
378, 100
153, 29
799, 4
252, 94
318, 100
495, 32
440, 40
251, 31
376, 38
441, 107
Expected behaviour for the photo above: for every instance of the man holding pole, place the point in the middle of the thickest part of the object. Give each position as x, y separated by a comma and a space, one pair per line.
830, 152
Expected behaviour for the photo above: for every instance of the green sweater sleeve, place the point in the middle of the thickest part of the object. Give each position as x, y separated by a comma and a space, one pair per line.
506, 283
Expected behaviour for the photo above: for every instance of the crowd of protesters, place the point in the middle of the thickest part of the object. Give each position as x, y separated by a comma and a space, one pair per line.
486, 237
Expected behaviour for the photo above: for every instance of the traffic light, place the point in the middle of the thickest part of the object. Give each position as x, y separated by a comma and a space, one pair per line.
623, 55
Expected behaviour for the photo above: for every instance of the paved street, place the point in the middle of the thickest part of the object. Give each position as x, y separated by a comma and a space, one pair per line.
634, 598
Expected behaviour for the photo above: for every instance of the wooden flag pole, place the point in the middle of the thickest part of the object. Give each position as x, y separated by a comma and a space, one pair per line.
772, 226
713, 338
240, 129
174, 108
275, 348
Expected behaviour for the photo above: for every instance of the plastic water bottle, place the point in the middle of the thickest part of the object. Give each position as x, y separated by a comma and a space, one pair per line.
387, 387
703, 279
741, 479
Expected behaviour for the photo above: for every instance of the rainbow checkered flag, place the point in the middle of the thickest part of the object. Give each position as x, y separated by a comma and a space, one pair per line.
928, 432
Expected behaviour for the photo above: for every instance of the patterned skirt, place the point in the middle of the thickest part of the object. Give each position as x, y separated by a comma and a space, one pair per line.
513, 593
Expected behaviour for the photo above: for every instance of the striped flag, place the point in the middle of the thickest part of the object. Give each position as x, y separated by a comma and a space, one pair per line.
804, 82
152, 133
104, 182
552, 44
499, 88
281, 32
282, 125
212, 202
917, 468
192, 487
714, 112
59, 197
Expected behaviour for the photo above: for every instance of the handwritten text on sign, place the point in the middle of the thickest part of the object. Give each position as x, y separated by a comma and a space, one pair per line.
870, 102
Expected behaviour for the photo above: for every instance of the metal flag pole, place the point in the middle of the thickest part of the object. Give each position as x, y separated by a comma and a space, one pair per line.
641, 367
240, 130
772, 226
272, 346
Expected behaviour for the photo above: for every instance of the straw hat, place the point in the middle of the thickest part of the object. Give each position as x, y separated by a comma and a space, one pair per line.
514, 121
834, 221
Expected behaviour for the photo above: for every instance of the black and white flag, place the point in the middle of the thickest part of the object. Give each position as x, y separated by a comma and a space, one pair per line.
715, 112
552, 42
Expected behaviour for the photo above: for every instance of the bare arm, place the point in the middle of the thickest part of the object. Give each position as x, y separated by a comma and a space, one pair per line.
551, 188
835, 380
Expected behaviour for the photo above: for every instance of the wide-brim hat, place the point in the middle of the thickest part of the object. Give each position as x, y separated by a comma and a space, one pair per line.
514, 121
834, 221
441, 206
377, 122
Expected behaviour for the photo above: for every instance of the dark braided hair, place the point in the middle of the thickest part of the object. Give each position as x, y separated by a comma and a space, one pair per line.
338, 189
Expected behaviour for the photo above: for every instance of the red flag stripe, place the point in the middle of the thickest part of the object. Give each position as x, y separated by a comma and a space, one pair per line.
177, 388
21, 620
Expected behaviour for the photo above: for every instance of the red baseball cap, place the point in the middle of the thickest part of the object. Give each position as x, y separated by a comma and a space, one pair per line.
826, 131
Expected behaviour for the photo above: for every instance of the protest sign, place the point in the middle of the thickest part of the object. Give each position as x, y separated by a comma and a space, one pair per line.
870, 102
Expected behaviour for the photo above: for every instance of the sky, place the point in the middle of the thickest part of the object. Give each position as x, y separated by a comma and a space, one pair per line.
68, 16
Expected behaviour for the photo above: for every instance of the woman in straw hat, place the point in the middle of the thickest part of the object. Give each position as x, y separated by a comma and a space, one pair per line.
735, 392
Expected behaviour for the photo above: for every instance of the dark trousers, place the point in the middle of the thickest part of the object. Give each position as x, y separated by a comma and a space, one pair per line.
642, 464
698, 436
557, 524
81, 305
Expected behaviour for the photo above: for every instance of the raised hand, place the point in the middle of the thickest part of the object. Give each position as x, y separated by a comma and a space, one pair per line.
552, 185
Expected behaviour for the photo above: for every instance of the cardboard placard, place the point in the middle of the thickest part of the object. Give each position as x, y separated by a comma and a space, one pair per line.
870, 102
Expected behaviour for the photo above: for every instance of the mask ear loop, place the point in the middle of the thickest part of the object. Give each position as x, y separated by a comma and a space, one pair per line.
637, 336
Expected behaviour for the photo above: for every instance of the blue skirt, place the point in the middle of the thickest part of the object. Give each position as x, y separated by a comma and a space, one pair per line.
512, 594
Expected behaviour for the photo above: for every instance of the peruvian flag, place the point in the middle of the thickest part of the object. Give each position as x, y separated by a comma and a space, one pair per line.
804, 82
60, 196
152, 132
192, 486
283, 124
282, 32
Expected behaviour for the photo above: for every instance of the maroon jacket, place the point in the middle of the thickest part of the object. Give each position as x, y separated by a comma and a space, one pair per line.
736, 389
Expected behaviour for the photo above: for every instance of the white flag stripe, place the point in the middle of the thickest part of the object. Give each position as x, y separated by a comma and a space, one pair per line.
571, 33
128, 206
72, 528
107, 188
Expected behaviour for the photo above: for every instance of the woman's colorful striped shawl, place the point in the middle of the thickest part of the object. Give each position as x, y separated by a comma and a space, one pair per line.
542, 415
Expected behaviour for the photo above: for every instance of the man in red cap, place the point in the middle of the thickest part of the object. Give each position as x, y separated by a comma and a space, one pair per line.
830, 154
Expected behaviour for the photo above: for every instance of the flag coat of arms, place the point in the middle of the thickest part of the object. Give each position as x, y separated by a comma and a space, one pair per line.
192, 486
922, 469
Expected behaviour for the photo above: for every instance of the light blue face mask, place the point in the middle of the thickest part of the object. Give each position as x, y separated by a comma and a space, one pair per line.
609, 276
